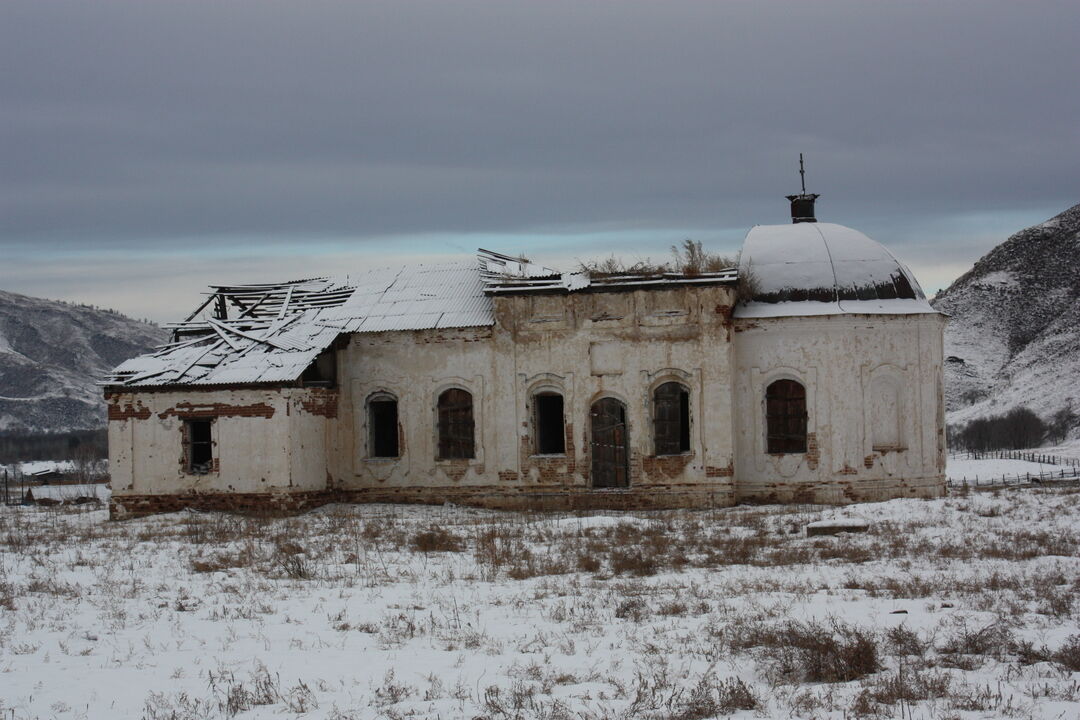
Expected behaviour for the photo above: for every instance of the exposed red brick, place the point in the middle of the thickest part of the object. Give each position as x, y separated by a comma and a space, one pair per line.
848, 470
813, 452
665, 466
713, 471
868, 461
129, 411
217, 410
455, 470
320, 401
494, 497
550, 469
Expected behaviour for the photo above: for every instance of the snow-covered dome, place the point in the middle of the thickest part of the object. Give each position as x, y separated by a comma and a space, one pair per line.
812, 268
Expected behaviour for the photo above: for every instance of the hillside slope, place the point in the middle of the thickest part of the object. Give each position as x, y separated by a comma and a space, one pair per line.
52, 354
1014, 334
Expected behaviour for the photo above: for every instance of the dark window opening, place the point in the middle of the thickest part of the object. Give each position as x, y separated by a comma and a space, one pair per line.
322, 372
456, 425
383, 427
671, 419
200, 447
550, 432
785, 417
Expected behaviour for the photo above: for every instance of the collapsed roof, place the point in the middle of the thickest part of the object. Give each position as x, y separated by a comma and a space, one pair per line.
271, 333
250, 334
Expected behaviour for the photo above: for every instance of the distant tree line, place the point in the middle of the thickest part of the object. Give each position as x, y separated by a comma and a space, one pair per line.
1015, 430
74, 445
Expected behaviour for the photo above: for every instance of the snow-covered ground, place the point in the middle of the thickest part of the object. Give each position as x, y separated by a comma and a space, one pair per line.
964, 607
961, 468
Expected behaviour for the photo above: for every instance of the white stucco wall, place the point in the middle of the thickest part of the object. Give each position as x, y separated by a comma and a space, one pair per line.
584, 346
264, 440
874, 403
873, 383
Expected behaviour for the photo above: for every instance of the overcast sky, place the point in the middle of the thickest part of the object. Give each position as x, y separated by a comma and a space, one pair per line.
150, 148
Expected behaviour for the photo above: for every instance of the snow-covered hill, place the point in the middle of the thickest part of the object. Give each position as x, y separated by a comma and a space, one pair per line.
1014, 334
51, 356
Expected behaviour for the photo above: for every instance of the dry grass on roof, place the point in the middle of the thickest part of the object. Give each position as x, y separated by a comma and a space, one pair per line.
690, 259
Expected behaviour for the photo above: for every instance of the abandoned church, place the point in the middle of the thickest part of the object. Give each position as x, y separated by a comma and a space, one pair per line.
812, 372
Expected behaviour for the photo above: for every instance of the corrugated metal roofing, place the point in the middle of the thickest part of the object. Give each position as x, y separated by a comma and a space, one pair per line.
272, 333
251, 334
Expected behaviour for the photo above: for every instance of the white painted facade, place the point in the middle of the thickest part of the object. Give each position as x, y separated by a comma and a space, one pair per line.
871, 370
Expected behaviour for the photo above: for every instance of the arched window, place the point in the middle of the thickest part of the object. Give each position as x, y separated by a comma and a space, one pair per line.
671, 419
456, 425
548, 425
383, 426
785, 417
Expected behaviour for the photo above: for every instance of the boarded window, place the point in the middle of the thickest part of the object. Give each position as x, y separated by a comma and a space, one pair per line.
785, 417
550, 432
671, 419
383, 426
198, 447
456, 425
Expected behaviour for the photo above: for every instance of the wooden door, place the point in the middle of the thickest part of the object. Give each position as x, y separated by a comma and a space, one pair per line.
609, 443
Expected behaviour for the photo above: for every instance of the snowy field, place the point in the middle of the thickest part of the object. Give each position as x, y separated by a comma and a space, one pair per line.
965, 607
959, 469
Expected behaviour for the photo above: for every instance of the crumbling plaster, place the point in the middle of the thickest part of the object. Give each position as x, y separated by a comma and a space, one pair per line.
264, 440
294, 447
584, 346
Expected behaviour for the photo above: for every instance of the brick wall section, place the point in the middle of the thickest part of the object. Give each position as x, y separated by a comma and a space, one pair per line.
455, 470
838, 492
129, 411
665, 467
714, 472
496, 498
217, 410
550, 469
813, 452
321, 401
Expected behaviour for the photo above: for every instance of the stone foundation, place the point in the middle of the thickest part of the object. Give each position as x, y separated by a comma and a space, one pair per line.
841, 492
667, 497
494, 498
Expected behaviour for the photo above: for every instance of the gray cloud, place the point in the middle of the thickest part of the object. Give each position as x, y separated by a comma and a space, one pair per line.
164, 126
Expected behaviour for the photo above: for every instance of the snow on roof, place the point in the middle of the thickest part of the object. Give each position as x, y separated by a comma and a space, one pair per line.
67, 493
251, 334
270, 333
824, 269
43, 467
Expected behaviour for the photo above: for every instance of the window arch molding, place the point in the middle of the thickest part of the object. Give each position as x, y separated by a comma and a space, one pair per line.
546, 406
382, 416
600, 395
